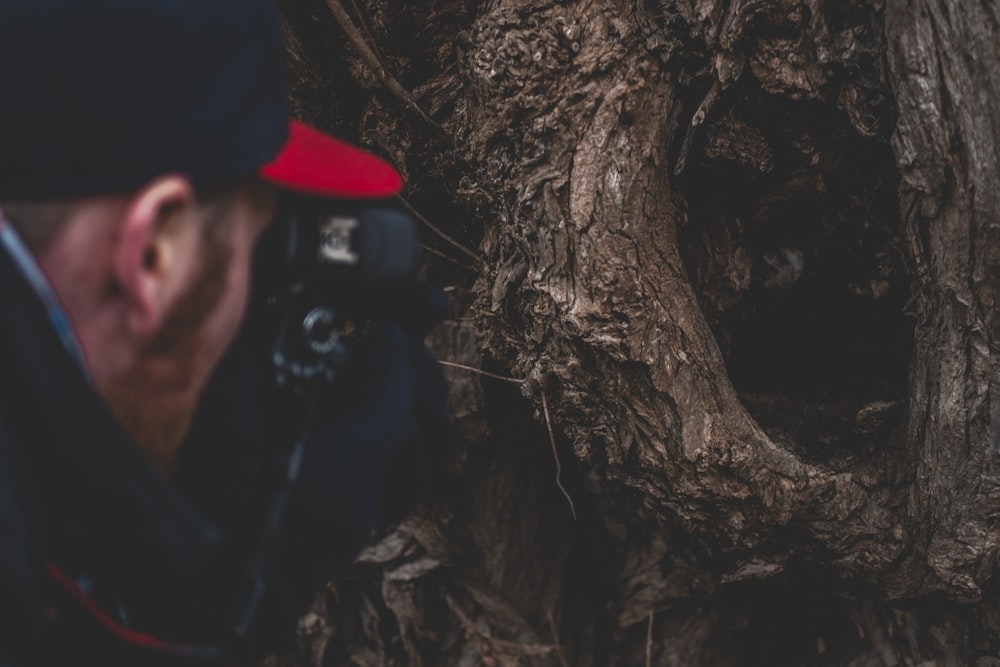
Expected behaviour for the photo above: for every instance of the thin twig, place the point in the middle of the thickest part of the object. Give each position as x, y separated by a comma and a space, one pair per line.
371, 38
555, 455
452, 364
479, 259
463, 619
548, 425
649, 641
366, 53
447, 257
696, 120
555, 638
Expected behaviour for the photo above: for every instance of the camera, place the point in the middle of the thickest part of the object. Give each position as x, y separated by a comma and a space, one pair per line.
321, 265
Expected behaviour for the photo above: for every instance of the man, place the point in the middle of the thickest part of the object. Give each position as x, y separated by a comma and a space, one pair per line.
143, 144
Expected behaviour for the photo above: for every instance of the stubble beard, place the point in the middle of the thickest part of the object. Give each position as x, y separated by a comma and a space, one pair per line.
156, 398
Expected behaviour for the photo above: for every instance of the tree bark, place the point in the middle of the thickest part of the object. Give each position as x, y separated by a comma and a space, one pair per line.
725, 275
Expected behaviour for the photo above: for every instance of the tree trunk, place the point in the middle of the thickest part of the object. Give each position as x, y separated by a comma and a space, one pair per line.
725, 274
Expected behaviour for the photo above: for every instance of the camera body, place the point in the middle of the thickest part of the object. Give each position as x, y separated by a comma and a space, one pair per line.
321, 265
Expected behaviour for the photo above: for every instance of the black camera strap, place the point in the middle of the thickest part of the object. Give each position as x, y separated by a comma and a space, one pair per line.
263, 558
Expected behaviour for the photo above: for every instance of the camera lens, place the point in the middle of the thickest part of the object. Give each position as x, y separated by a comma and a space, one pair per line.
319, 327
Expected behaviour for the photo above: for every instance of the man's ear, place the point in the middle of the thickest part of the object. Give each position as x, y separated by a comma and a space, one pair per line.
151, 255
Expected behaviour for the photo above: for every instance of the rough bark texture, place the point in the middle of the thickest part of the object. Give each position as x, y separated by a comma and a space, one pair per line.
738, 260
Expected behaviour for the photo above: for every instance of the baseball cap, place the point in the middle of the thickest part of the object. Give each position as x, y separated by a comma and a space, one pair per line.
100, 97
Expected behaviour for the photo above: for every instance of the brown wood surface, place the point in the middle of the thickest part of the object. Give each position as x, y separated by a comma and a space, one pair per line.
741, 257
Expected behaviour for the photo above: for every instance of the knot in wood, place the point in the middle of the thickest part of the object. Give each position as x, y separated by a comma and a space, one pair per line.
518, 50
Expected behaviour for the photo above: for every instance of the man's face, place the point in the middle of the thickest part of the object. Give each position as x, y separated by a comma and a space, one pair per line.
157, 398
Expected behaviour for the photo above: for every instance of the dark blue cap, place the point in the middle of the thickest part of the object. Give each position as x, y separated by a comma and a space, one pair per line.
101, 96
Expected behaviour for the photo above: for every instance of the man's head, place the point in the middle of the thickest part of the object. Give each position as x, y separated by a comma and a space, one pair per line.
141, 146
155, 283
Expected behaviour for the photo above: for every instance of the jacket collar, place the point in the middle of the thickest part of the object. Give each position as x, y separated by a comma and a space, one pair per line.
104, 503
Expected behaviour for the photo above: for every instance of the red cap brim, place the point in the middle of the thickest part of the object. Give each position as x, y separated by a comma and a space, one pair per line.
315, 163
